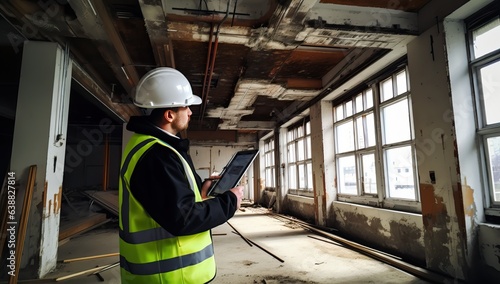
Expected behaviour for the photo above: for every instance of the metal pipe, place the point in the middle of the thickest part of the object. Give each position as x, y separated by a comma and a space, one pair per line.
212, 65
207, 67
239, 234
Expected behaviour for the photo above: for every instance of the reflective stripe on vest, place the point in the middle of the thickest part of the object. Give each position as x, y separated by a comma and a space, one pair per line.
147, 238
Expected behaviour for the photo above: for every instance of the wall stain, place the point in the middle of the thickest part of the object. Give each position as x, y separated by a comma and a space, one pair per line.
401, 239
406, 237
432, 207
469, 204
436, 233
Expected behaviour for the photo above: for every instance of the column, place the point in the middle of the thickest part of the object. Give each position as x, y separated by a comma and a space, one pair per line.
40, 139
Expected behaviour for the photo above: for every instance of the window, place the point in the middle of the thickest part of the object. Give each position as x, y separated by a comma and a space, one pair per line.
269, 163
299, 159
485, 67
374, 145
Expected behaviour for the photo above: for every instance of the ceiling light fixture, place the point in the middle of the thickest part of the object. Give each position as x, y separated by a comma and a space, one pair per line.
125, 72
92, 6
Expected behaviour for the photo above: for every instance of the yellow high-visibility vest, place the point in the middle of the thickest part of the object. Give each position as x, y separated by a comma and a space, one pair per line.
149, 253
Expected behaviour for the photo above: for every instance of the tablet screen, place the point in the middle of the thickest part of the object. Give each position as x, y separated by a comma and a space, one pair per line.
233, 172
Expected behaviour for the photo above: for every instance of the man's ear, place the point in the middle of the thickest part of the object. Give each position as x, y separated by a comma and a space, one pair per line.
169, 115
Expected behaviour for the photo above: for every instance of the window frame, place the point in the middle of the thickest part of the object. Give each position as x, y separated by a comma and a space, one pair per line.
382, 197
269, 152
484, 130
293, 138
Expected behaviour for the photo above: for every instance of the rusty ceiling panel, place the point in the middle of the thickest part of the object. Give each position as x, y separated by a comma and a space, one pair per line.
264, 64
191, 58
310, 63
266, 108
250, 13
403, 5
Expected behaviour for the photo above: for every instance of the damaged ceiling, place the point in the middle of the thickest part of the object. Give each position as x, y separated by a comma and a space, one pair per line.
255, 63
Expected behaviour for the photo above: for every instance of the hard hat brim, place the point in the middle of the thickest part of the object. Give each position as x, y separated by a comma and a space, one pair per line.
193, 100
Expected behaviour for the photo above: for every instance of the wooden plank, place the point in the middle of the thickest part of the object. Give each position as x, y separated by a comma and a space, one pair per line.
81, 225
3, 214
23, 223
90, 257
107, 199
88, 271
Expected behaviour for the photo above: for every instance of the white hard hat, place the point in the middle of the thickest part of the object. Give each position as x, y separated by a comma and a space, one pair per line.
164, 87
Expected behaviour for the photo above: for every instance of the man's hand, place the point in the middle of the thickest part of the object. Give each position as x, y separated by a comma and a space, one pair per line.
206, 185
238, 191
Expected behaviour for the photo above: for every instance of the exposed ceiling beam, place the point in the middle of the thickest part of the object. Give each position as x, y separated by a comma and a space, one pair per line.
154, 19
107, 40
122, 111
256, 125
116, 41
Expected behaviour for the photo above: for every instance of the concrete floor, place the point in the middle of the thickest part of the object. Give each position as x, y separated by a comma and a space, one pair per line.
299, 258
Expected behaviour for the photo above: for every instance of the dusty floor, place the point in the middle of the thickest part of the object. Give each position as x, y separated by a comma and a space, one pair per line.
298, 256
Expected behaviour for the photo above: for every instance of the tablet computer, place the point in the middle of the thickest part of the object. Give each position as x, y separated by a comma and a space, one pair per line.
233, 172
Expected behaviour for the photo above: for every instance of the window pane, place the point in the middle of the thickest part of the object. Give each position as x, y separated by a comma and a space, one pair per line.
396, 122
494, 165
348, 108
486, 38
399, 171
345, 137
490, 84
302, 177
309, 176
291, 153
308, 147
370, 130
300, 150
360, 131
386, 90
339, 112
269, 177
292, 177
365, 130
347, 175
359, 103
308, 127
369, 176
369, 98
300, 131
401, 84
273, 174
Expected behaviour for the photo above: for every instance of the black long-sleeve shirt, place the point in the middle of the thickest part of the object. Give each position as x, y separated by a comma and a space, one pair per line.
159, 183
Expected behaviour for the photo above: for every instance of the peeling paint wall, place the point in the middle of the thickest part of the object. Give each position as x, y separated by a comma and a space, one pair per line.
435, 139
300, 207
396, 232
489, 246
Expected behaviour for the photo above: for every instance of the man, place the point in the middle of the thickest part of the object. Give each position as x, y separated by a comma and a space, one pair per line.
165, 217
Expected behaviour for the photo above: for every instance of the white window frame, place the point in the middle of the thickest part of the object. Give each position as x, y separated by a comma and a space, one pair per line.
484, 130
293, 138
269, 164
381, 198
